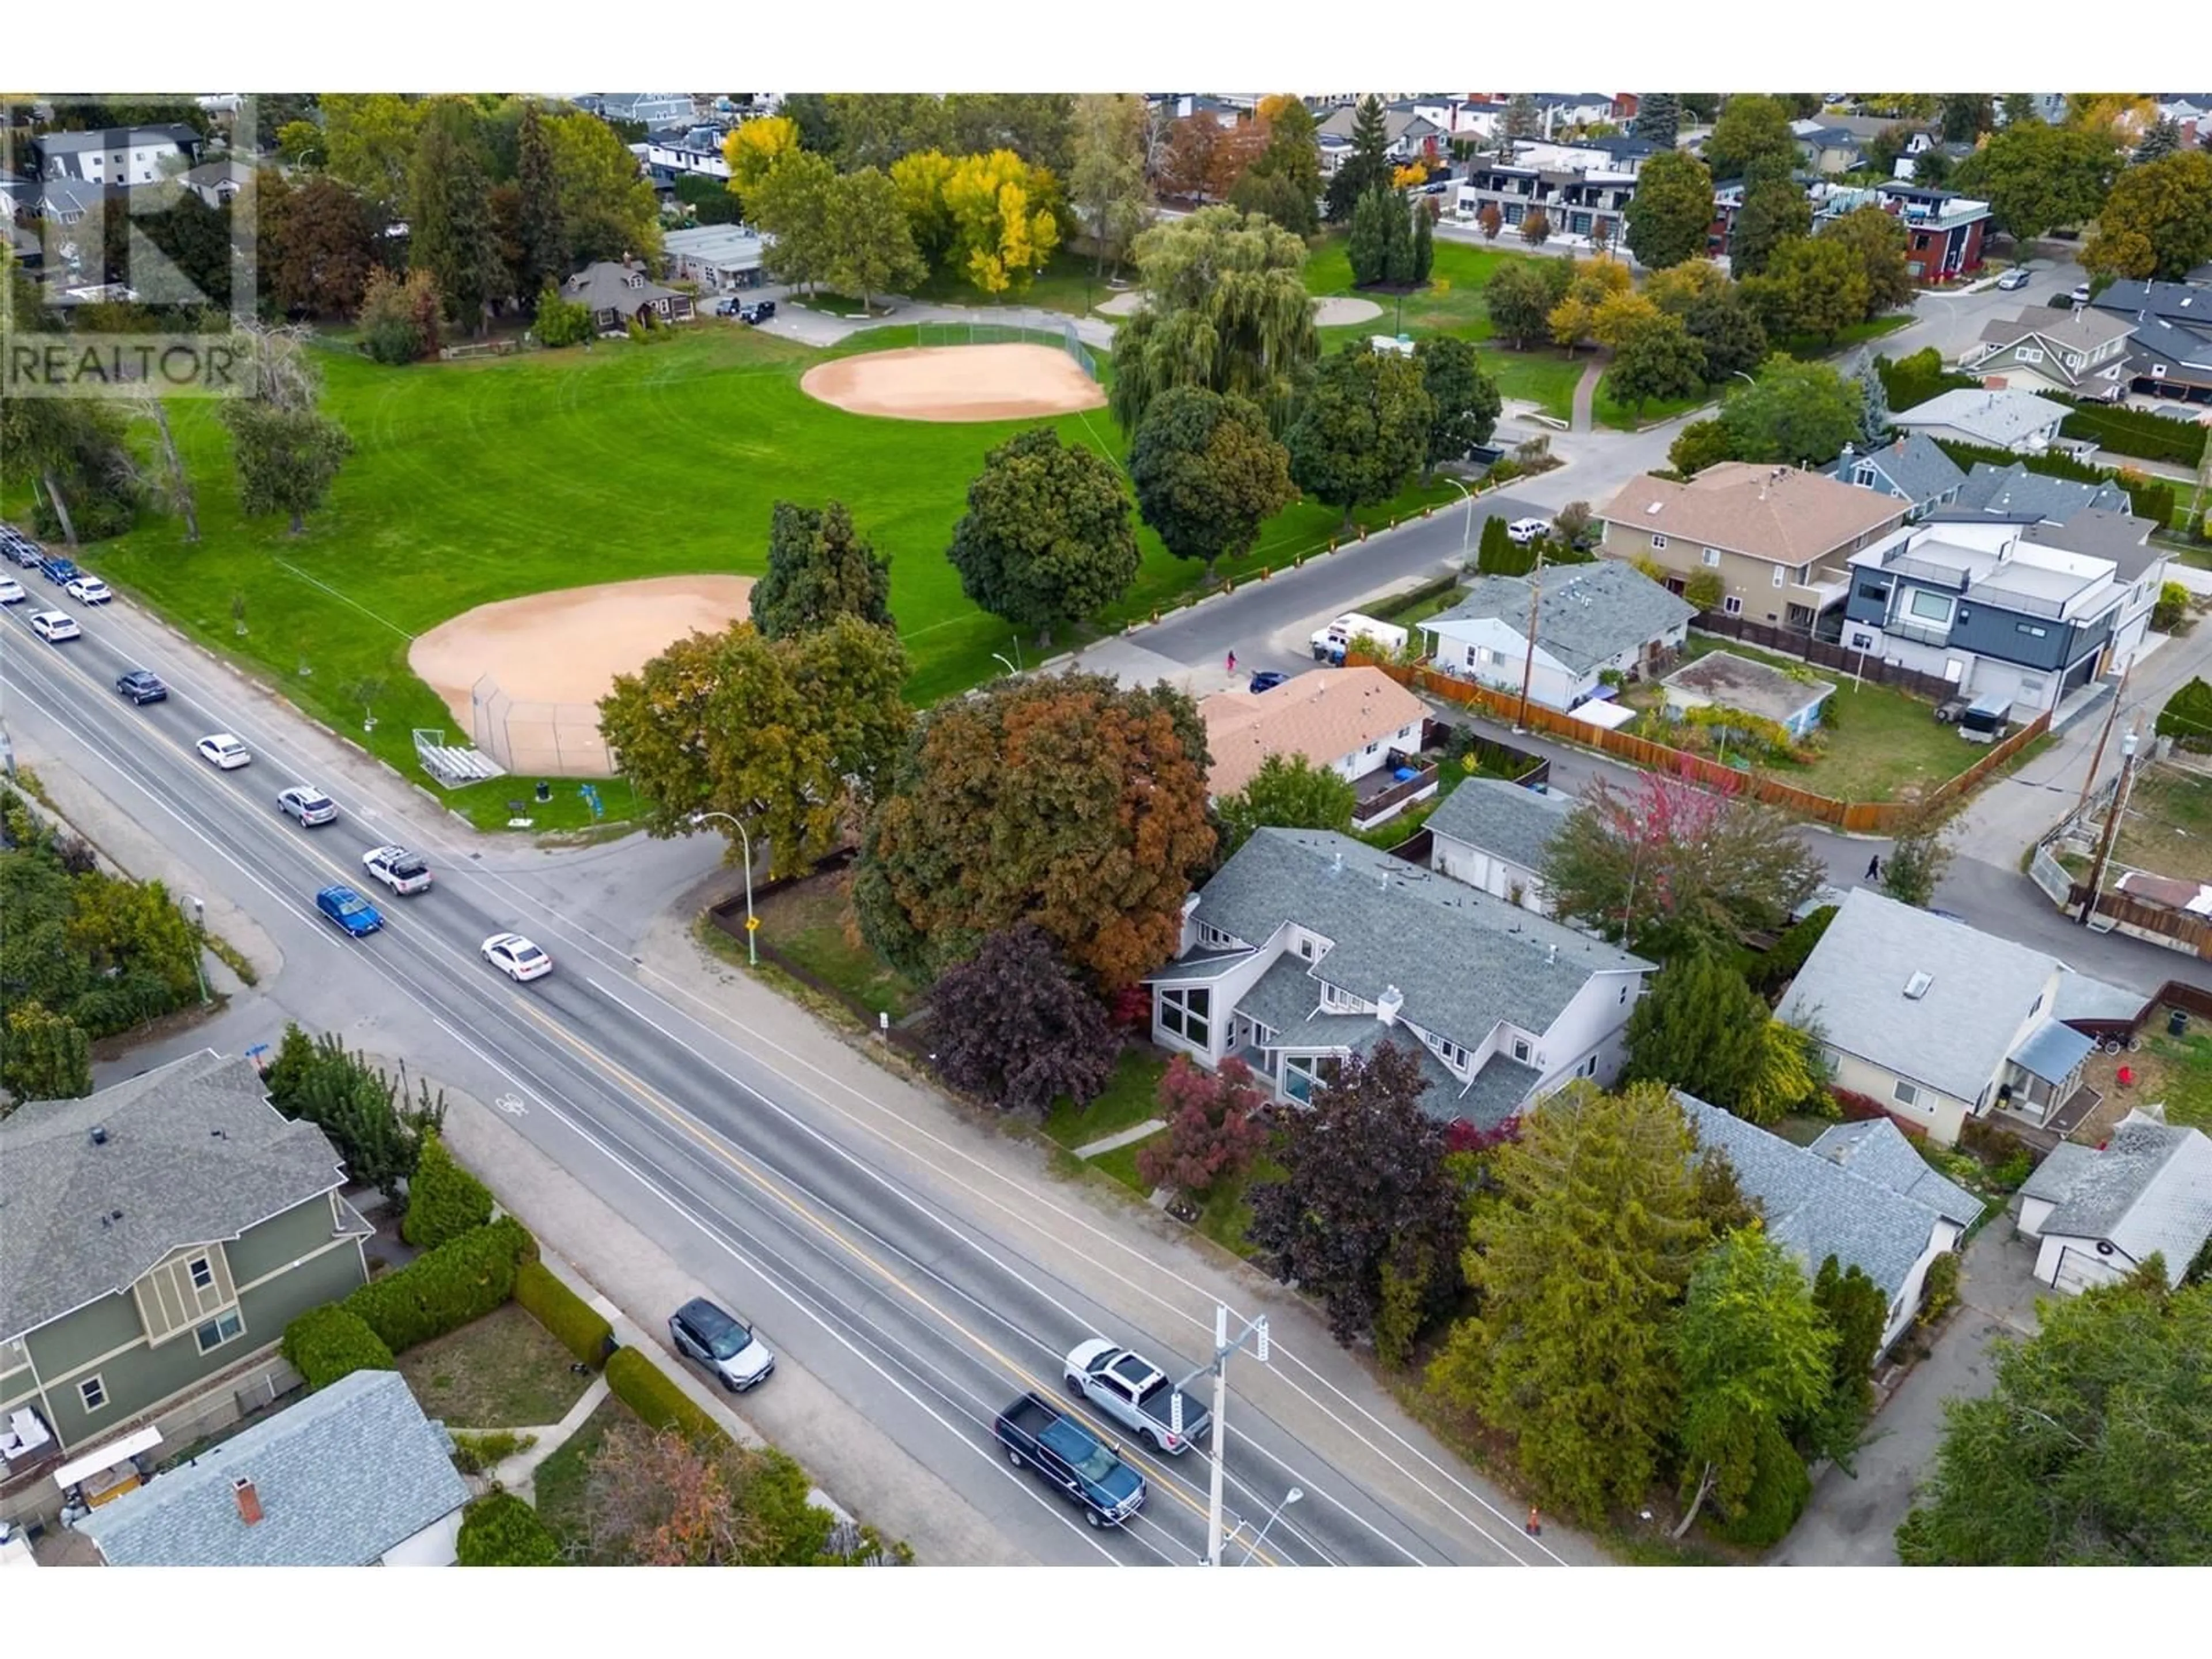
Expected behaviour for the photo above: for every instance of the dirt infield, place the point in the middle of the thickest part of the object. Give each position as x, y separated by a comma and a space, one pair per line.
957, 383
1341, 308
566, 646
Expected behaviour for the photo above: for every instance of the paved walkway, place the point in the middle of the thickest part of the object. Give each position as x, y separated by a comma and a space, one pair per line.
1107, 1143
1586, 391
518, 1474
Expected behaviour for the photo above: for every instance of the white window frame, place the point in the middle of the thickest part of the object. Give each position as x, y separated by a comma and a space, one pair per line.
92, 1394
1658, 542
1732, 605
1711, 558
1781, 575
2030, 354
1905, 1094
1913, 611
228, 1316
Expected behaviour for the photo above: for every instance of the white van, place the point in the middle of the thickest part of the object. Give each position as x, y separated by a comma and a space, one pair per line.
1330, 643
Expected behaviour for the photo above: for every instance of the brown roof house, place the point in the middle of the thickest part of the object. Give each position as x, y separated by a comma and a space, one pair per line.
1357, 722
1776, 538
620, 293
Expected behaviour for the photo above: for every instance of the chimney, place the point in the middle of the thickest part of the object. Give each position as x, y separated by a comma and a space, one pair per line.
1388, 1004
249, 1501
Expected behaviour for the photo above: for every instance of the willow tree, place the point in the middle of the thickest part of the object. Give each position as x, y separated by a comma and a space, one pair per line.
1225, 308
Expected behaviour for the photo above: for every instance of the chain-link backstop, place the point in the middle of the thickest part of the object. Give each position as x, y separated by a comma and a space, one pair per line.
542, 739
1018, 327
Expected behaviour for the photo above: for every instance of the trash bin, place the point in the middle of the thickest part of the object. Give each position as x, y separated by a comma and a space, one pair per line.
2177, 1022
544, 791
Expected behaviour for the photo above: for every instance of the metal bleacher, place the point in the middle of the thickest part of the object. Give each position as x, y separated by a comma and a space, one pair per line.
453, 765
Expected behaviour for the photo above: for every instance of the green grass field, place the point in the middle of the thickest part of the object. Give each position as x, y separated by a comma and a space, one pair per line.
484, 481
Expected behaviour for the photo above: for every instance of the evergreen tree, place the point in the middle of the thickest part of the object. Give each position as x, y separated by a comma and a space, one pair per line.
449, 220
1367, 243
1523, 119
544, 243
1873, 411
1659, 119
1701, 1028
1398, 244
1856, 1309
819, 568
1425, 244
2162, 138
1367, 167
1774, 211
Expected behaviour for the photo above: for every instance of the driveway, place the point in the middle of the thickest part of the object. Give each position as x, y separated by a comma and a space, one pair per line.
1852, 1521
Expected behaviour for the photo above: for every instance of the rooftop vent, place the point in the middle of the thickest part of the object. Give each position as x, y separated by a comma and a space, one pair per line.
100, 1134
1917, 987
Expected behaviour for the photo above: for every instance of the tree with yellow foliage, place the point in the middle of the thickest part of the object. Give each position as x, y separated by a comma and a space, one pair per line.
1589, 285
920, 177
2122, 116
1406, 177
1005, 227
753, 148
1618, 315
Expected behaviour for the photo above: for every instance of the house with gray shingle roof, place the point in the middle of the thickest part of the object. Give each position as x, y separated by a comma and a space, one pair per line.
1911, 466
2082, 353
2166, 360
619, 294
1591, 620
354, 1476
1935, 1021
1309, 947
2016, 494
2000, 417
1498, 836
2100, 1214
155, 1238
1867, 1200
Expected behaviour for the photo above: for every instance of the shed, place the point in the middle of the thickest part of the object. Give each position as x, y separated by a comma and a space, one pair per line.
1722, 678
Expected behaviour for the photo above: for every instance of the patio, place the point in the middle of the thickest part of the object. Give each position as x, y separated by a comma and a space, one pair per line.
1389, 789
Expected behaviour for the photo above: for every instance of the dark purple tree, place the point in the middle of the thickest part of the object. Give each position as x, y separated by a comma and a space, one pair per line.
1015, 1027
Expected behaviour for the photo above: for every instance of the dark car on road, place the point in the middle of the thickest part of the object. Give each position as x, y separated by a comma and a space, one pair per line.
1072, 1458
723, 1343
349, 910
142, 686
1267, 679
756, 311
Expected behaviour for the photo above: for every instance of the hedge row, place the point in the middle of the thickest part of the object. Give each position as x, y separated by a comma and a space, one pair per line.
327, 1343
652, 1395
444, 1289
580, 1328
2136, 432
444, 1200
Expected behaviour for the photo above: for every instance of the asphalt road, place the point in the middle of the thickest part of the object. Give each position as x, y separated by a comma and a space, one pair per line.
906, 1289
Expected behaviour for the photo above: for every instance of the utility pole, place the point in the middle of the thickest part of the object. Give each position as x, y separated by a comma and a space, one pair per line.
2104, 737
2111, 824
1255, 1332
1529, 663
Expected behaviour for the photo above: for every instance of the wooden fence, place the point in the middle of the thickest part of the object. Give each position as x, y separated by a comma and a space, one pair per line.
1878, 818
1789, 643
2192, 934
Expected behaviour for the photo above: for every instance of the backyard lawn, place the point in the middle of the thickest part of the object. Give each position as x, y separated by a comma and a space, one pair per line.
811, 922
2181, 1072
1129, 1099
502, 1372
2168, 829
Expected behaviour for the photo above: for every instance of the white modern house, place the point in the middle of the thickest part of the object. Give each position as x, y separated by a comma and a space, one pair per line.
1309, 947
119, 155
1592, 621
2099, 1215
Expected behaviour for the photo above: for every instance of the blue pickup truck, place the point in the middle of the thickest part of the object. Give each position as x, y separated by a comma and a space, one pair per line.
1072, 1458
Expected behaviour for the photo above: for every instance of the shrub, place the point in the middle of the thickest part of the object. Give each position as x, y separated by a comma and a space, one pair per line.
652, 1395
2137, 432
561, 322
445, 1288
2013, 1173
1704, 591
580, 1327
1770, 971
327, 1343
1780, 1488
475, 1453
1939, 1289
501, 1530
2187, 716
444, 1200
2172, 606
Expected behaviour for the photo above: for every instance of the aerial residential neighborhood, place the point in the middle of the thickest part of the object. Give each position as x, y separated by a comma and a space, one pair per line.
1007, 828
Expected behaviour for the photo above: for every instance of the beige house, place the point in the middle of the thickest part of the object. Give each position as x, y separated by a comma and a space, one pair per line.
1776, 538
1356, 722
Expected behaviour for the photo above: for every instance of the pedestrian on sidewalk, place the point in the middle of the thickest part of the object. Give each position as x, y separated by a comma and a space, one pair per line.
1874, 868
1536, 1526
1232, 662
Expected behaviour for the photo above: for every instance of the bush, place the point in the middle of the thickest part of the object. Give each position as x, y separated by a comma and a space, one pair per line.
475, 1453
501, 1530
444, 1289
582, 1329
327, 1343
1769, 971
1939, 1289
444, 1200
1704, 591
652, 1395
2187, 716
561, 322
1780, 1488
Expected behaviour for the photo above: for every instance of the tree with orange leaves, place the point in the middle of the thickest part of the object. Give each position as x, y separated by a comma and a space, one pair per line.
656, 1499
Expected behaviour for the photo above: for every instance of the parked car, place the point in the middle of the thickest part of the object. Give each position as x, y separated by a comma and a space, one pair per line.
307, 804
725, 308
349, 910
723, 1343
517, 957
1267, 679
1072, 1458
2080, 296
756, 311
88, 589
11, 590
142, 686
401, 870
220, 749
1521, 532
1135, 1393
58, 570
53, 627
2012, 279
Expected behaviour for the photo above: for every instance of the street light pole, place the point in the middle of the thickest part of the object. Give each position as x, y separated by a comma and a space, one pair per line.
1467, 534
1288, 1498
200, 947
752, 922
1255, 1332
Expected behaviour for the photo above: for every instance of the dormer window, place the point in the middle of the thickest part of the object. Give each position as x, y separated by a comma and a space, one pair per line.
633, 282
1864, 475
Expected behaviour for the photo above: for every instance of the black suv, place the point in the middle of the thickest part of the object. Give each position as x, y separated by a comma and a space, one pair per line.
756, 311
142, 686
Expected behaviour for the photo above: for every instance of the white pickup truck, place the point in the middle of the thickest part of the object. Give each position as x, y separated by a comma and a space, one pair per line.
1330, 643
1135, 1393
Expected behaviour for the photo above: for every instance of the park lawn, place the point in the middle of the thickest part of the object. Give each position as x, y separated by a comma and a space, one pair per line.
1451, 303
1122, 1163
809, 924
502, 1372
1130, 1097
1607, 410
1807, 347
1884, 744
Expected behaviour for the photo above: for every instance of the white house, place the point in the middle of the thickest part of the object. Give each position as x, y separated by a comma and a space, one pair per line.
1356, 722
119, 155
1592, 620
354, 1476
1996, 418
1309, 947
1859, 1193
2099, 1215
1497, 836
697, 151
717, 258
1936, 1022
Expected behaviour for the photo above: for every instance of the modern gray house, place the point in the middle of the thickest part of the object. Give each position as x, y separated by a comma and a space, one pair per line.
155, 1238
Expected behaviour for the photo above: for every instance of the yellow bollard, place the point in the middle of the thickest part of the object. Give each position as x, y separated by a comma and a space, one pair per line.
1264, 571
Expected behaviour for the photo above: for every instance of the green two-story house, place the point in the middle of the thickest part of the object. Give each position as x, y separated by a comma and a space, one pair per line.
155, 1238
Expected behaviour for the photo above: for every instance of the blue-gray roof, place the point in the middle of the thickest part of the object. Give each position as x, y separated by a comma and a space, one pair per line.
1495, 1094
1815, 1208
347, 1473
2149, 1189
1200, 966
2081, 997
1915, 465
1463, 960
2187, 303
1284, 999
2184, 349
1879, 1152
1503, 818
1588, 614
2013, 492
2052, 1051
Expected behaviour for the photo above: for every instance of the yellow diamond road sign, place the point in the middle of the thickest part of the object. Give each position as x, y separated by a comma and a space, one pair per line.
752, 924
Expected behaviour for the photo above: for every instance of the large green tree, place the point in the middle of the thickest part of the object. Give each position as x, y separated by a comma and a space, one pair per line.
1659, 119
1753, 129
449, 221
1208, 474
2157, 221
287, 459
1367, 167
1671, 210
2039, 178
1065, 800
1774, 213
1106, 183
1876, 241
869, 248
1797, 413
1700, 1028
1464, 402
608, 209
1362, 428
1284, 181
369, 142
795, 203
1579, 1255
1288, 792
819, 569
1855, 1310
1812, 285
2091, 1451
43, 1055
1657, 358
1046, 539
1521, 295
1752, 1352
1225, 308
791, 736
544, 237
